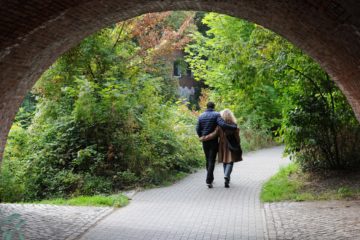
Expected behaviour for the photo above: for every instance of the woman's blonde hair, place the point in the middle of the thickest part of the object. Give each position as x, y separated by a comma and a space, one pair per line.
228, 116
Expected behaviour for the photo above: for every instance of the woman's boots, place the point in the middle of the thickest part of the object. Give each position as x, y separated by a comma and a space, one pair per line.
227, 182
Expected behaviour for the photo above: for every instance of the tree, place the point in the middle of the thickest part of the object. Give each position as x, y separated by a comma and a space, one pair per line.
273, 87
102, 122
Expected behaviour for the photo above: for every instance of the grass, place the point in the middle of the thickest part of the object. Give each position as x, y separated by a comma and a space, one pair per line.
117, 200
280, 187
291, 184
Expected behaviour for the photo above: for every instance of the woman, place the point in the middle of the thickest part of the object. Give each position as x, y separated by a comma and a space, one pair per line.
229, 144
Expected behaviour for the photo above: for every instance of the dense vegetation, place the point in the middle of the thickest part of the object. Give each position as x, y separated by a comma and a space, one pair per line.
276, 91
105, 120
106, 117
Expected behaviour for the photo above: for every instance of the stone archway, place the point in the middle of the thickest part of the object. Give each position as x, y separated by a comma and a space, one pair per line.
35, 33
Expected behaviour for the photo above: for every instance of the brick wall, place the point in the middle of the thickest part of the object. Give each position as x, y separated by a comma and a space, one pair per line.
35, 33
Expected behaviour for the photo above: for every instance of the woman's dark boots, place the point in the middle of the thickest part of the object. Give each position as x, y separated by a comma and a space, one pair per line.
227, 182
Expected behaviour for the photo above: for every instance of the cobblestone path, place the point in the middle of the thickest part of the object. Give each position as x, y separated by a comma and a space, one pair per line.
49, 222
189, 210
324, 220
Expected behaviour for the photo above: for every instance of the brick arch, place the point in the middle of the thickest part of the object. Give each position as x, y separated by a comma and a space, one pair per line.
35, 33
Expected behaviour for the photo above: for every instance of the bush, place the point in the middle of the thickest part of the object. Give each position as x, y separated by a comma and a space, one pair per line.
102, 123
125, 179
92, 185
320, 129
11, 188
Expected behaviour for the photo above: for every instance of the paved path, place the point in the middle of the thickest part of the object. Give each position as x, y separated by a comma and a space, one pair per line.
323, 220
49, 222
189, 210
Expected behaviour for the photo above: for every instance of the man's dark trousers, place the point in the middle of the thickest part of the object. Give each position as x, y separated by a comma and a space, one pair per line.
210, 148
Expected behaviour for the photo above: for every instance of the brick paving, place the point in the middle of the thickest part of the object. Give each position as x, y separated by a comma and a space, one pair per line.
321, 220
49, 222
189, 210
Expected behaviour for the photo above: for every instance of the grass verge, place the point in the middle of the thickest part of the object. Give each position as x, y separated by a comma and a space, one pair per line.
118, 200
291, 184
281, 187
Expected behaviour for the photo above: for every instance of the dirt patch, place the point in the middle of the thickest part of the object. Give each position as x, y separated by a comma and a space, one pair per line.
330, 185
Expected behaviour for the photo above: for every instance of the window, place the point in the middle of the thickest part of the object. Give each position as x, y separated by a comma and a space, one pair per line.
188, 71
177, 69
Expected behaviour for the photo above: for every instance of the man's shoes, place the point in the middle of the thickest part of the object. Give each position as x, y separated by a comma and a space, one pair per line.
210, 185
227, 185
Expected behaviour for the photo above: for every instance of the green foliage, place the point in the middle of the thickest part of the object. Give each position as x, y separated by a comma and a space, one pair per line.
26, 111
117, 200
344, 192
319, 127
293, 184
227, 59
280, 187
12, 187
102, 123
275, 90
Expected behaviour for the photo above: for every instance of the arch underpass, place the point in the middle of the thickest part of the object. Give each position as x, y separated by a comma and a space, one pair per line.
35, 33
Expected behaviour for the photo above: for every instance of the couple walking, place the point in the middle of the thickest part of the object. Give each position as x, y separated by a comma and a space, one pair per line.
220, 136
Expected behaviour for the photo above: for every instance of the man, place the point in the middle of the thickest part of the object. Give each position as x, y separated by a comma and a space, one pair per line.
207, 123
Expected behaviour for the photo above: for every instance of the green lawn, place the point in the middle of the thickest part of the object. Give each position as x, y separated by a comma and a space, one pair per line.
117, 200
291, 184
280, 187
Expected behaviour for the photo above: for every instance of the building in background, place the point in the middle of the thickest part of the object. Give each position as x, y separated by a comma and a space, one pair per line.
188, 89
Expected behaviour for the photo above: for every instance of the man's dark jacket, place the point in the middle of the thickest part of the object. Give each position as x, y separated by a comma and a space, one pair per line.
209, 120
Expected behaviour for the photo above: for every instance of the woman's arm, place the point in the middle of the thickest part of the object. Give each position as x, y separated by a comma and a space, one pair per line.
210, 136
220, 122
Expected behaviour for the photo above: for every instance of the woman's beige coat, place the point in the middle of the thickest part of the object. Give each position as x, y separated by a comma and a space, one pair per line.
224, 154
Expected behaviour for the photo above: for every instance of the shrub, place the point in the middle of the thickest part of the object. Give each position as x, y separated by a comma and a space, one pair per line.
320, 129
102, 123
92, 185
